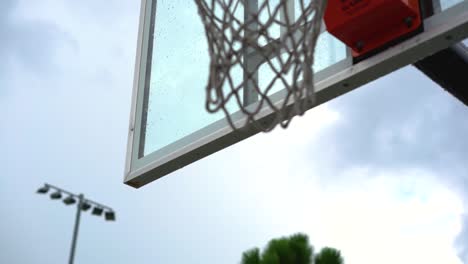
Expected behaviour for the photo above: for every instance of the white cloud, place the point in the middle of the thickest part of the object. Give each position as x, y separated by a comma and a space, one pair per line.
399, 216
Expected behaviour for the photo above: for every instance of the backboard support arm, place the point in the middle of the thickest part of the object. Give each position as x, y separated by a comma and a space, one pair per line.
250, 94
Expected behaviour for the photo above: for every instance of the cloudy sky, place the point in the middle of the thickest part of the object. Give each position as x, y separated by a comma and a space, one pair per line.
379, 173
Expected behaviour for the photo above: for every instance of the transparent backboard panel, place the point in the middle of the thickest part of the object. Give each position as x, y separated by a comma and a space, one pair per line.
179, 62
179, 72
444, 4
175, 105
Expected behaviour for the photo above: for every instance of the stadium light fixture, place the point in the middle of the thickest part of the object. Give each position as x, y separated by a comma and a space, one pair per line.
97, 211
56, 195
69, 200
110, 216
85, 206
43, 190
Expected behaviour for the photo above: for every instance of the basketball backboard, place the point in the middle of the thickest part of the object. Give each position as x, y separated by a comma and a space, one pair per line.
169, 126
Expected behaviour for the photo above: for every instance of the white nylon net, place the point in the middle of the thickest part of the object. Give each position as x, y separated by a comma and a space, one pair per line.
243, 34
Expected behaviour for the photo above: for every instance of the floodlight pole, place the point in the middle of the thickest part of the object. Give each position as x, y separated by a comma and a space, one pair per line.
77, 226
83, 204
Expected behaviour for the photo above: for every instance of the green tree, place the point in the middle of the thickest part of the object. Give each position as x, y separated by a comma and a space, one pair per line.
291, 250
329, 256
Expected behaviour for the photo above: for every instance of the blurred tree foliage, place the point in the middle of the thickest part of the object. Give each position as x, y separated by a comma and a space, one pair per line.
291, 250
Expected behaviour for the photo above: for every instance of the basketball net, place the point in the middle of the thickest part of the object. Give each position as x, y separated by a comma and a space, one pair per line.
274, 38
